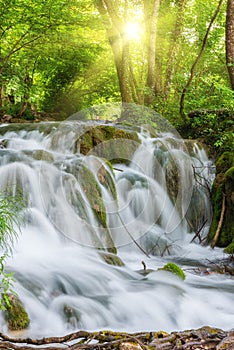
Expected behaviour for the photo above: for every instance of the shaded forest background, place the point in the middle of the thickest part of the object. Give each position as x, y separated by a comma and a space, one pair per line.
58, 57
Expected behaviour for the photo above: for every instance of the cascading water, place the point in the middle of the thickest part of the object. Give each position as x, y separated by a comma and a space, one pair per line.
78, 206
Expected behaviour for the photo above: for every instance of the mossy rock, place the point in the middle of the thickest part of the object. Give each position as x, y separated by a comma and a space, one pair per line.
109, 142
230, 248
71, 315
175, 269
93, 193
133, 178
42, 127
111, 259
224, 187
94, 201
40, 154
106, 180
15, 314
224, 162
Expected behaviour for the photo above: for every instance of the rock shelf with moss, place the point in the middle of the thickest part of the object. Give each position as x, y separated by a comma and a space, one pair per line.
112, 143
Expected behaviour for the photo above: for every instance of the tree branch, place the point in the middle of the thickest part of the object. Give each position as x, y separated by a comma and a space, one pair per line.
216, 236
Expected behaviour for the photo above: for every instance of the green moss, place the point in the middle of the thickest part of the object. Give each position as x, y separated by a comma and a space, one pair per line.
175, 269
230, 248
15, 314
40, 154
224, 162
223, 186
109, 142
93, 193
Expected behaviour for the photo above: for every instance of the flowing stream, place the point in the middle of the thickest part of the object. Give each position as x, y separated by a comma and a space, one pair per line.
79, 209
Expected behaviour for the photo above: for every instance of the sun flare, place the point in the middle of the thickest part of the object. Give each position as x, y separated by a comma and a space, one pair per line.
133, 31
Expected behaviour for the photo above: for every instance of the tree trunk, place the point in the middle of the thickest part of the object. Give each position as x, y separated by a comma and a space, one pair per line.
114, 25
151, 9
174, 47
230, 41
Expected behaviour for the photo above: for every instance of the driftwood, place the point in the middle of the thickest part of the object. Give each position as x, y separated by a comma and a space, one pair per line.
202, 338
216, 236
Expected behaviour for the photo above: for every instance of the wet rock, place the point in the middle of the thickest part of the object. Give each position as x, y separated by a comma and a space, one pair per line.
40, 154
111, 259
106, 141
71, 315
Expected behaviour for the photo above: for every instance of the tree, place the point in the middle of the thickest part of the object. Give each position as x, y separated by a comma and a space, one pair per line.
22, 24
51, 51
151, 11
230, 41
158, 68
117, 17
197, 59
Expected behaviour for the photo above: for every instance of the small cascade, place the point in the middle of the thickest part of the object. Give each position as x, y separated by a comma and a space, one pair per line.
148, 207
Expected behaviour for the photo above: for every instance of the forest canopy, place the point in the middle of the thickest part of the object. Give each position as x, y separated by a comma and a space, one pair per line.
64, 56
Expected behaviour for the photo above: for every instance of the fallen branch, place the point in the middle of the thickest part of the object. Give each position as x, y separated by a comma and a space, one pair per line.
203, 338
133, 239
216, 236
197, 234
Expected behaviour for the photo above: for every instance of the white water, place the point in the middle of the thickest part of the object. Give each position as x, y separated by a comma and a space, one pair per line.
64, 283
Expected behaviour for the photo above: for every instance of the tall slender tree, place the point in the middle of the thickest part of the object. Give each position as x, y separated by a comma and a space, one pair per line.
115, 16
230, 41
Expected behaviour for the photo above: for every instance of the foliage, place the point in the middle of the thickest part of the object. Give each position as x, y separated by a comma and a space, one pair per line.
230, 248
214, 127
55, 57
11, 218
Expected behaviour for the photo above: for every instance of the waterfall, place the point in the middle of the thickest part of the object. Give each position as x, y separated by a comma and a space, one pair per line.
82, 202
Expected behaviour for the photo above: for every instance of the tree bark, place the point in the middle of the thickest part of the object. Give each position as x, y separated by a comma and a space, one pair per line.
115, 25
174, 46
230, 41
151, 9
216, 237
